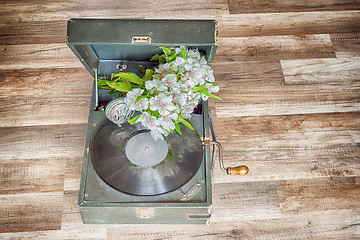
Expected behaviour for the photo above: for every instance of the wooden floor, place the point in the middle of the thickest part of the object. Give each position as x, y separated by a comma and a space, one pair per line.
289, 73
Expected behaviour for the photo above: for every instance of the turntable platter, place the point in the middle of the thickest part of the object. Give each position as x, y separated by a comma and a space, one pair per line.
129, 160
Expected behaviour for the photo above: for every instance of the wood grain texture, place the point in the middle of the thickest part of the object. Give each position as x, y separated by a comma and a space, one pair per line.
291, 163
30, 212
289, 77
347, 44
325, 70
31, 175
33, 32
245, 201
317, 225
326, 194
252, 73
261, 6
274, 48
289, 23
45, 83
29, 142
42, 10
55, 55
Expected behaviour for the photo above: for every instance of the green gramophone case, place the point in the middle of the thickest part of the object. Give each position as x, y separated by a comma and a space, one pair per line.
112, 190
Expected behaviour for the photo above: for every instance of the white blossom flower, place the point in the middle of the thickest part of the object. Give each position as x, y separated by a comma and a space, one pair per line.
179, 61
162, 103
181, 99
155, 84
167, 123
170, 80
171, 92
148, 121
158, 133
131, 97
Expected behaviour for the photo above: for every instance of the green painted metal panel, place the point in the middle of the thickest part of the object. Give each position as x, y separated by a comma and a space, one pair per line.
104, 44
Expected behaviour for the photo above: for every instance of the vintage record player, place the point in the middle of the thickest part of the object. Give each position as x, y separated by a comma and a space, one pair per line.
126, 176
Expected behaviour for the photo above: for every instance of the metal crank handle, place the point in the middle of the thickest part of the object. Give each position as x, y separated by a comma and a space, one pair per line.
239, 170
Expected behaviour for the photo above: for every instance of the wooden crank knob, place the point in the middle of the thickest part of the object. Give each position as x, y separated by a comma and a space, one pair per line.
239, 170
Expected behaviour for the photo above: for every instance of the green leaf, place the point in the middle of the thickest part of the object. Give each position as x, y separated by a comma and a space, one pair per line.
131, 77
212, 83
177, 128
155, 57
141, 68
172, 57
206, 93
126, 82
121, 87
162, 59
183, 53
114, 75
101, 81
166, 50
112, 92
198, 88
155, 113
148, 75
186, 123
134, 119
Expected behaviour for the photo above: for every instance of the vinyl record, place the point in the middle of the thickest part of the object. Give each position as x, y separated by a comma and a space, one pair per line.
129, 160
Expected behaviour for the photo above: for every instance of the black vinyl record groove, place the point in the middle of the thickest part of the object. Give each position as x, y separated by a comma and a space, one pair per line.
183, 157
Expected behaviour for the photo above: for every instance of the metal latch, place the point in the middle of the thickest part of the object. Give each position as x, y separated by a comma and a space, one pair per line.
141, 39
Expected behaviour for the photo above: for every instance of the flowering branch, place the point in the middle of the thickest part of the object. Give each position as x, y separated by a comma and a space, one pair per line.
167, 94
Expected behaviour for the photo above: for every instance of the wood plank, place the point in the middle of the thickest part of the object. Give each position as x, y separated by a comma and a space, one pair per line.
50, 96
289, 76
42, 10
31, 175
233, 141
55, 55
17, 112
72, 228
45, 82
288, 23
324, 70
290, 163
270, 48
244, 25
70, 202
260, 6
340, 224
346, 45
301, 196
72, 174
247, 141
254, 73
225, 110
33, 222
33, 32
315, 93
292, 131
42, 141
292, 123
30, 212
245, 201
